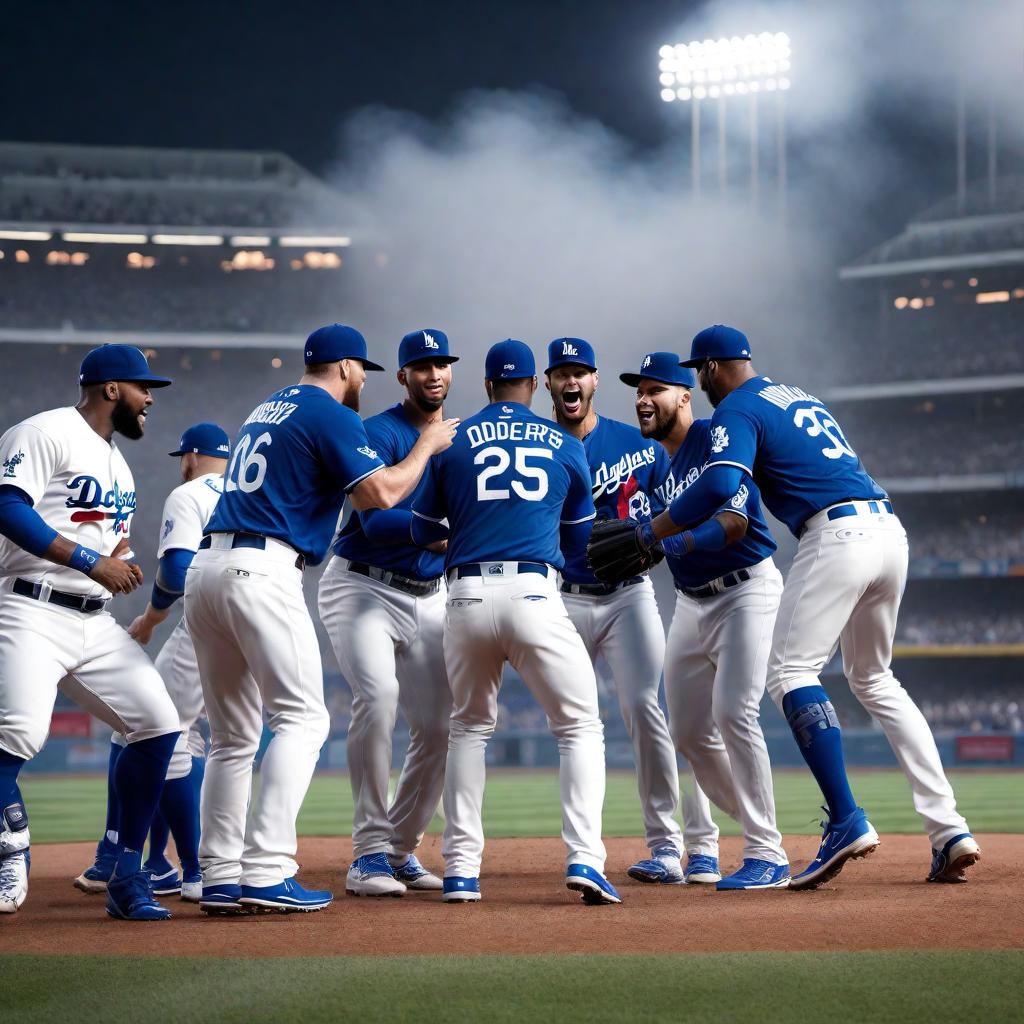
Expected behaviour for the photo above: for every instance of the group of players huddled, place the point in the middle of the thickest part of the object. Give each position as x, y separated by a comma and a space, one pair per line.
502, 538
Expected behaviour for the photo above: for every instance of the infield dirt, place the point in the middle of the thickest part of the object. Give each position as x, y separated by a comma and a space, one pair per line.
878, 903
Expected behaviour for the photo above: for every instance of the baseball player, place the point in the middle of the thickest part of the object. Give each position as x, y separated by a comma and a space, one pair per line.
67, 498
621, 620
717, 656
843, 589
203, 452
515, 491
296, 458
382, 604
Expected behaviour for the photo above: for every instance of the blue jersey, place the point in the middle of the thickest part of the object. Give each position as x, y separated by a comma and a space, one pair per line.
700, 567
628, 472
793, 448
507, 484
294, 460
393, 437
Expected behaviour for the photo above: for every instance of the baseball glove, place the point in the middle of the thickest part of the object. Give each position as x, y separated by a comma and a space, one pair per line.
618, 550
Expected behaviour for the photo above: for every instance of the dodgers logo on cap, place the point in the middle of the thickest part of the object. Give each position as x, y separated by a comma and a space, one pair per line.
664, 367
570, 350
427, 344
204, 439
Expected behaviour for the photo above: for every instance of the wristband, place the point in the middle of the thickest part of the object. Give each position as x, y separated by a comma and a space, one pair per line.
83, 559
709, 536
645, 535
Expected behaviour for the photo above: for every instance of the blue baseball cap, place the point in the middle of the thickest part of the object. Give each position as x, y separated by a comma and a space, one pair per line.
429, 343
718, 342
509, 360
118, 362
204, 439
663, 366
335, 342
570, 350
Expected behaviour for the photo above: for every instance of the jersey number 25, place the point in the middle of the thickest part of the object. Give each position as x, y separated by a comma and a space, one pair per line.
496, 462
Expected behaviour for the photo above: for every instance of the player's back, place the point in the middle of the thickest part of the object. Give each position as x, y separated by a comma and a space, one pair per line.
187, 510
793, 447
292, 463
506, 485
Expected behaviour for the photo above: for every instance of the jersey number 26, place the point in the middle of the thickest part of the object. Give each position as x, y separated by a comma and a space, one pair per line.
248, 466
496, 462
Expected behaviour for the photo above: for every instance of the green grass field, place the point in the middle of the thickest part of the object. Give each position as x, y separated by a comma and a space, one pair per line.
525, 803
753, 988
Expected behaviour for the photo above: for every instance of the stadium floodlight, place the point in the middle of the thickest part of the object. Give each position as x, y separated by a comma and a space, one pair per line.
161, 239
26, 236
246, 240
311, 241
104, 236
751, 61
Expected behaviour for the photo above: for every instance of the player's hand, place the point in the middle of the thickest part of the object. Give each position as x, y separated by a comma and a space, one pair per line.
119, 577
141, 629
439, 547
439, 435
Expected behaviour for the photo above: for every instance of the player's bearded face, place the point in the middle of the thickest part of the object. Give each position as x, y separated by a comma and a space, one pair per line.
705, 377
428, 384
130, 409
572, 392
656, 408
355, 378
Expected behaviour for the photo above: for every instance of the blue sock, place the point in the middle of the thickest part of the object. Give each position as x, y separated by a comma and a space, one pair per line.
139, 778
10, 793
816, 728
113, 826
159, 833
180, 807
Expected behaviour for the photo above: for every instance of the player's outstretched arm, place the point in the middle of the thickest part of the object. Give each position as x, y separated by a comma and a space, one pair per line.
22, 524
388, 486
708, 493
716, 533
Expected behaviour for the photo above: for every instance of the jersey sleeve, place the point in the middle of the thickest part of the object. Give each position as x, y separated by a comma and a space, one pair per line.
182, 523
430, 504
578, 506
346, 450
28, 459
733, 438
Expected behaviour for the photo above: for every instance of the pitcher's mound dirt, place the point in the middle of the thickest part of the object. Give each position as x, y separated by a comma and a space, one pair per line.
878, 903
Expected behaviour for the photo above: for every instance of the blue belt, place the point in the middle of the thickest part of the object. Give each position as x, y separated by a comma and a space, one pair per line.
240, 539
842, 511
475, 569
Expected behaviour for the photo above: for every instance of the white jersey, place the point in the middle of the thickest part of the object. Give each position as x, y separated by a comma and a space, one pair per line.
187, 510
79, 484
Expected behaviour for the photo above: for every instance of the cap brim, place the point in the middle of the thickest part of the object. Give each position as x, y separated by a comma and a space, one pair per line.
571, 362
633, 380
694, 364
430, 359
151, 381
367, 365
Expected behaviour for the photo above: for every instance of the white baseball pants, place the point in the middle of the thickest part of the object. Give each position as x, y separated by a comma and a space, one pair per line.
519, 618
625, 628
389, 648
89, 658
177, 666
844, 588
715, 669
257, 653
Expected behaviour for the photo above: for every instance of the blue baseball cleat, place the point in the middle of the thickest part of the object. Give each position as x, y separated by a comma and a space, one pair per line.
950, 863
284, 898
131, 899
94, 879
459, 889
756, 874
848, 839
221, 899
592, 886
701, 870
164, 878
663, 866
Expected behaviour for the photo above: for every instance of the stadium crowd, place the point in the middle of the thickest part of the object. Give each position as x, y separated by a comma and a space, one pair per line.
998, 535
994, 627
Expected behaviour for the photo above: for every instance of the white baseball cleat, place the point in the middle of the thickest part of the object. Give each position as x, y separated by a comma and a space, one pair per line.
413, 875
372, 875
192, 892
13, 881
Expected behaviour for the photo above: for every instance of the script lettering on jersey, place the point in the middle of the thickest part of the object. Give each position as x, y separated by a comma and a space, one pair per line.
516, 430
608, 479
98, 505
276, 411
784, 395
672, 488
